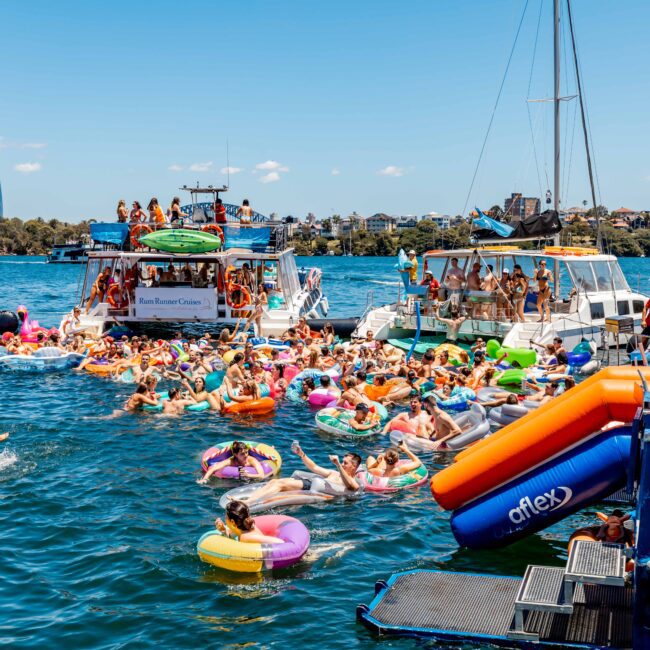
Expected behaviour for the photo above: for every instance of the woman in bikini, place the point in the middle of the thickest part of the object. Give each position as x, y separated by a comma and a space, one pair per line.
140, 398
543, 276
122, 212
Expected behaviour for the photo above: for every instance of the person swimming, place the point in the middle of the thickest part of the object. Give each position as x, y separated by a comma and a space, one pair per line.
241, 526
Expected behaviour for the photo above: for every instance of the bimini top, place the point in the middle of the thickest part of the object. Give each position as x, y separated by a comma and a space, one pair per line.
564, 253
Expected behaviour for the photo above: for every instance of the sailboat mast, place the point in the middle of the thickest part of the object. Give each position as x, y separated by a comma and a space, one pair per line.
556, 102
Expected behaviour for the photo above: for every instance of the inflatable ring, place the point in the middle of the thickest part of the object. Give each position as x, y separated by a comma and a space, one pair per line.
322, 397
337, 422
373, 483
268, 457
164, 395
139, 230
226, 553
265, 391
246, 298
115, 297
213, 228
457, 355
257, 406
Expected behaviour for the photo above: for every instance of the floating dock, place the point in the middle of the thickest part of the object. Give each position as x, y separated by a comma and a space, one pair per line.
586, 604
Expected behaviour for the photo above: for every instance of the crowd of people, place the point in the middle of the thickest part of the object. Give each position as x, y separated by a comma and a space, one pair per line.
174, 214
501, 298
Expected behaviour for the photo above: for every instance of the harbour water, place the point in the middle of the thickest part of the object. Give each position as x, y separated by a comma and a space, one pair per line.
99, 517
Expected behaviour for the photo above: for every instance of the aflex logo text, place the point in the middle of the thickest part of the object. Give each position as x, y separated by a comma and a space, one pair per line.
551, 500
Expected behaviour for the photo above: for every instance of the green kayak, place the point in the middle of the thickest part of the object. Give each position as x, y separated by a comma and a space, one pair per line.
177, 240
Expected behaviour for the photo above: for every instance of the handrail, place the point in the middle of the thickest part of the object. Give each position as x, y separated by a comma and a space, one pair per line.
416, 338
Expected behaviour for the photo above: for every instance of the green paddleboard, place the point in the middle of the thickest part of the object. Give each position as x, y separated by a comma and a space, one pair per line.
177, 240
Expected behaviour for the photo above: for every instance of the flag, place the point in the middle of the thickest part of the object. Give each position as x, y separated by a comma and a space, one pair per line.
487, 223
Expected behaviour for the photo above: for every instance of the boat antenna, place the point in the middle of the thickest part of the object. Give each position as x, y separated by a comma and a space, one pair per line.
228, 163
584, 129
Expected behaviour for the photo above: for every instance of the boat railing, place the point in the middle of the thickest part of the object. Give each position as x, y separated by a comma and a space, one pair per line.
262, 237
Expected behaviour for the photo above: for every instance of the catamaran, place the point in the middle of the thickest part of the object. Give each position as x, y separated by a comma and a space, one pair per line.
215, 287
587, 287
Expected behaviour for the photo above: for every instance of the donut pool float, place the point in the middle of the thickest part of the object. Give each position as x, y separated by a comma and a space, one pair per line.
269, 459
226, 553
412, 479
337, 422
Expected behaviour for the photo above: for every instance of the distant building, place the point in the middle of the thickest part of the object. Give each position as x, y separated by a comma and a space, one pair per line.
406, 221
352, 223
443, 221
380, 222
520, 207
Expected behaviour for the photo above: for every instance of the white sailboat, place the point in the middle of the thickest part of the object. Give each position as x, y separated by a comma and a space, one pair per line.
587, 286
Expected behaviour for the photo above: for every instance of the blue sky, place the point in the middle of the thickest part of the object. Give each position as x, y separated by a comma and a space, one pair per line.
327, 107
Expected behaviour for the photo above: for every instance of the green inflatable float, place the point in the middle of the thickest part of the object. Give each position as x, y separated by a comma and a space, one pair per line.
522, 356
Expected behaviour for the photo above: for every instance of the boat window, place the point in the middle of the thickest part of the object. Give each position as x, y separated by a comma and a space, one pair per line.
623, 307
527, 264
603, 275
583, 278
618, 279
437, 266
637, 306
597, 310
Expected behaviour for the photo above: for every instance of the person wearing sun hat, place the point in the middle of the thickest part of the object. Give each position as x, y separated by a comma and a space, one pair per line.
413, 269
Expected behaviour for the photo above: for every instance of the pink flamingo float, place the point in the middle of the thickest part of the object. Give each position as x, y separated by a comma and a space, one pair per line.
29, 329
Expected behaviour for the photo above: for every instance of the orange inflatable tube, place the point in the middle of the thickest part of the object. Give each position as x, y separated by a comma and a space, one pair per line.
258, 406
611, 394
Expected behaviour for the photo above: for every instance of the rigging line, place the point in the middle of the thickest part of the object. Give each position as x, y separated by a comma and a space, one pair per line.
530, 82
573, 134
494, 110
566, 93
584, 123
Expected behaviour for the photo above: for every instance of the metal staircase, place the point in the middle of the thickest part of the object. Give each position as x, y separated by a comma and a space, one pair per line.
556, 590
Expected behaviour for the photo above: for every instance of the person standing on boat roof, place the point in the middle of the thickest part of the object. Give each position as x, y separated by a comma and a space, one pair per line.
455, 281
156, 214
219, 212
122, 212
245, 213
137, 214
175, 213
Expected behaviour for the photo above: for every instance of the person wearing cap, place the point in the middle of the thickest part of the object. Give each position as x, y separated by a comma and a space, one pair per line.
413, 269
362, 420
433, 284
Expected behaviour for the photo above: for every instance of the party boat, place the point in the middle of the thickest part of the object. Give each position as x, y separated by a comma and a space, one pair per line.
181, 282
588, 288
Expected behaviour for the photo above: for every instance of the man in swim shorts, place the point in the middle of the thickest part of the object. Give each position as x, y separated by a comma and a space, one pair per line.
445, 427
342, 477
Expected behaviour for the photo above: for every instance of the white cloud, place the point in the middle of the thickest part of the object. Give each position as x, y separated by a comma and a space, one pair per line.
201, 167
231, 170
28, 168
175, 168
391, 170
33, 145
272, 166
271, 177
336, 172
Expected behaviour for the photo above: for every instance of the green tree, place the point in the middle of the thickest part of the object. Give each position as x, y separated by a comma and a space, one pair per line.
320, 245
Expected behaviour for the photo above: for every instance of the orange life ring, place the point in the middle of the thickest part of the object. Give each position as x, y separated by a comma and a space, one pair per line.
212, 227
259, 406
246, 298
138, 231
115, 297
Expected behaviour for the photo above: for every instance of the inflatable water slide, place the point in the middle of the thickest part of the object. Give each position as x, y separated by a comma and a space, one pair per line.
558, 459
